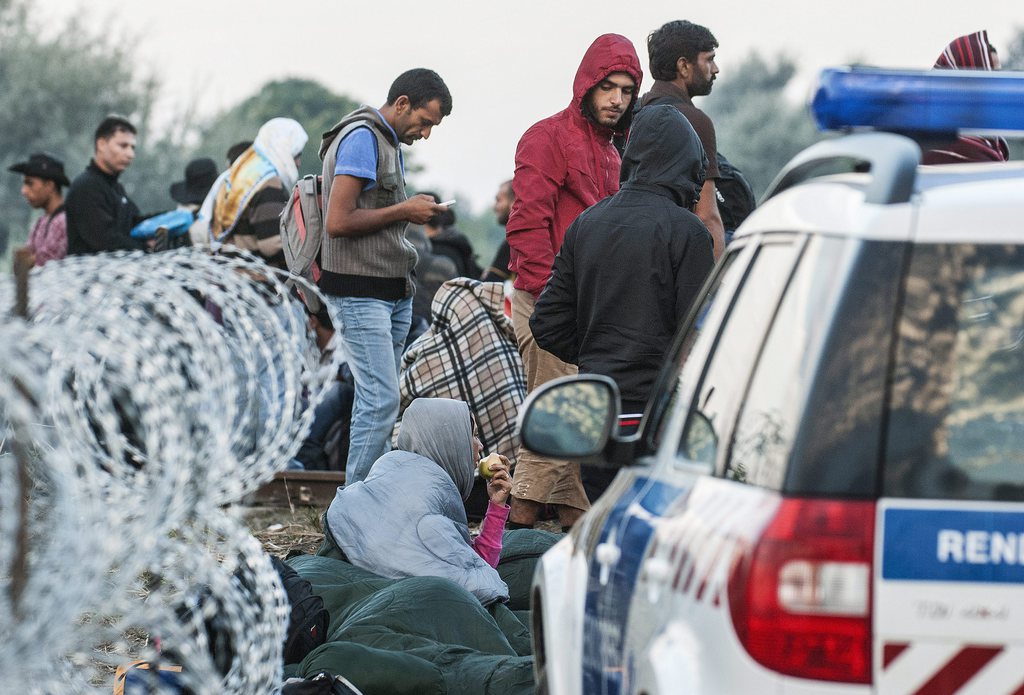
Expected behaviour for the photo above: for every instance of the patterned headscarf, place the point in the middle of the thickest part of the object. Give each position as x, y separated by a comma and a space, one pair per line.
281, 140
278, 142
970, 52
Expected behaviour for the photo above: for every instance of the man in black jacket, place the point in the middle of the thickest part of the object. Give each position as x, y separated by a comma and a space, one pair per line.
631, 265
100, 214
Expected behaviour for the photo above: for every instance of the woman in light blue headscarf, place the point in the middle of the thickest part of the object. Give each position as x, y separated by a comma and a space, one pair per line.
408, 518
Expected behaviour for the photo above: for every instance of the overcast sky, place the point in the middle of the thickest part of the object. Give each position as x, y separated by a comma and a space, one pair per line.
508, 64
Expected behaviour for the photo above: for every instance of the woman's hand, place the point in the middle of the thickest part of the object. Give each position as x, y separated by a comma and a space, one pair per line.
500, 484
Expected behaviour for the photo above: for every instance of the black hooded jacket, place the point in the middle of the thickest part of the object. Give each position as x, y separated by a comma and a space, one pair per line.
631, 265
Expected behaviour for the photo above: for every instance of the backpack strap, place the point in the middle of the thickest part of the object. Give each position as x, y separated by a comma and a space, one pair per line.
331, 161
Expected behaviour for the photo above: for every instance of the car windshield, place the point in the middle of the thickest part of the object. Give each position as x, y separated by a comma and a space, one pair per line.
956, 417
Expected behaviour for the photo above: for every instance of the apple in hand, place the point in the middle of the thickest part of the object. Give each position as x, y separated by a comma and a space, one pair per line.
485, 465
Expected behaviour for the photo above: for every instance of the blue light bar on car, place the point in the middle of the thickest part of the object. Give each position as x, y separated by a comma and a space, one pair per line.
919, 101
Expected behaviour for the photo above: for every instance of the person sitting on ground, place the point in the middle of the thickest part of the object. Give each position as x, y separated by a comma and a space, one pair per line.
408, 519
326, 445
248, 201
469, 353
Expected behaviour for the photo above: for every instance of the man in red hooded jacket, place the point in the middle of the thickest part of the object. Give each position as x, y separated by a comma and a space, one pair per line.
564, 164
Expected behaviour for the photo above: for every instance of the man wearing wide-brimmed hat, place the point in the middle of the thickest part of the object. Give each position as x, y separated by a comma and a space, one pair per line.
42, 187
200, 176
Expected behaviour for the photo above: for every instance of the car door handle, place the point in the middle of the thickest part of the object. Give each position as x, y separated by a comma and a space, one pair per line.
658, 571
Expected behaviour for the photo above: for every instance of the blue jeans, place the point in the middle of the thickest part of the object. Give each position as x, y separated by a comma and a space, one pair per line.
372, 333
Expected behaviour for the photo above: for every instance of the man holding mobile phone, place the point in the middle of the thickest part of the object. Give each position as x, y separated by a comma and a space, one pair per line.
366, 261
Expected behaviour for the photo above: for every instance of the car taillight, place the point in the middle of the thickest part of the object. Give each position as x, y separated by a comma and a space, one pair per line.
800, 598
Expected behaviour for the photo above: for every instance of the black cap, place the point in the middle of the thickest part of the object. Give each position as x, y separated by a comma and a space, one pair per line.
43, 166
199, 177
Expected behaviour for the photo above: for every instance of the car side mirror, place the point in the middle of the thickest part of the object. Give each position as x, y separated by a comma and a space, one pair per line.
571, 417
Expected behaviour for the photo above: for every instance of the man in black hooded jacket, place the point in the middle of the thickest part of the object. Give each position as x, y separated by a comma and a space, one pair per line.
631, 265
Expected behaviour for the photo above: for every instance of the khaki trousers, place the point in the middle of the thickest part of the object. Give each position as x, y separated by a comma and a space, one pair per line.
537, 478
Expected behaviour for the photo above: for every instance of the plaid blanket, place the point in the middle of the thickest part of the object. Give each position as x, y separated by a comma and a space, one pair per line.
469, 353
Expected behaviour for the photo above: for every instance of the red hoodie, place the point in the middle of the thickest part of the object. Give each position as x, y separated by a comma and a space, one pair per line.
564, 164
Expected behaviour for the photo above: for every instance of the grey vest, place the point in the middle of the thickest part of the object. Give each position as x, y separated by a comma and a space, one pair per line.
380, 264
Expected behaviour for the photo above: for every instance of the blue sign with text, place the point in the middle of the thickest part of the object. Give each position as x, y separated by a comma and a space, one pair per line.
953, 546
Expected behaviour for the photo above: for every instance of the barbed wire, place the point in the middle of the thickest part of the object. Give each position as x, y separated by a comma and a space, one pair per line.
143, 394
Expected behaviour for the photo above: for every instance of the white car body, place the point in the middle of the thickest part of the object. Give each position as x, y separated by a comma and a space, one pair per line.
637, 598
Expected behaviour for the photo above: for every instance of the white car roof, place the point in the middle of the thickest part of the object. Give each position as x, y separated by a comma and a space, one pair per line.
955, 203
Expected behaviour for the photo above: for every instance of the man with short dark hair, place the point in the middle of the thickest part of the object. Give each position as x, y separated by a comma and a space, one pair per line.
41, 187
682, 61
564, 164
366, 261
100, 214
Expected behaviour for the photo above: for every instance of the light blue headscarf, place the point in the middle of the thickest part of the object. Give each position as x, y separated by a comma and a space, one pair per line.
441, 430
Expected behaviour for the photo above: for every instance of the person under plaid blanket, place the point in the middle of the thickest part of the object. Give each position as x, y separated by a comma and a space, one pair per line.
469, 353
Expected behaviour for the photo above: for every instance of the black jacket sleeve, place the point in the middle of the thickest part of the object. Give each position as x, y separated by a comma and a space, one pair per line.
554, 323
96, 222
697, 262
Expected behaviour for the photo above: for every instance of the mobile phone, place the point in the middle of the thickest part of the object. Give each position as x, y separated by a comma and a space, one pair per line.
448, 203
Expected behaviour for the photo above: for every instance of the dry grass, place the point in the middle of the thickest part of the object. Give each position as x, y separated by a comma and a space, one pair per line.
282, 530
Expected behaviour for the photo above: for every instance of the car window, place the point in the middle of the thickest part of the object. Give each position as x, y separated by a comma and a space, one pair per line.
956, 418
725, 378
772, 409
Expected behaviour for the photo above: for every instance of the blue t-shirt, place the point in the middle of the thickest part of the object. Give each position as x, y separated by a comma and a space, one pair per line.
357, 156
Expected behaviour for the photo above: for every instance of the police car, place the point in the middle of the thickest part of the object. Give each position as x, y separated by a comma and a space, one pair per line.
827, 491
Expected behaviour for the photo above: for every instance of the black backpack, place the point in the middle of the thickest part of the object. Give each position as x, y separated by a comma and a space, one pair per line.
308, 622
735, 196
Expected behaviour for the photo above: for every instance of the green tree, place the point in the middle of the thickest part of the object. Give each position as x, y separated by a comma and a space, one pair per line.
757, 128
58, 83
308, 102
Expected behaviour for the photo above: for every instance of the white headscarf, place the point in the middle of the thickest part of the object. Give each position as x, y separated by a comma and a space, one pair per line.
281, 140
